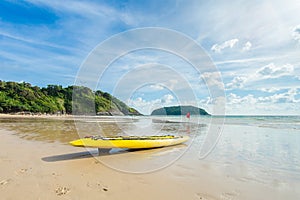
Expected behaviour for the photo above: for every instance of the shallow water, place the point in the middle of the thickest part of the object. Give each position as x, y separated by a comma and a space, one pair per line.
47, 130
262, 144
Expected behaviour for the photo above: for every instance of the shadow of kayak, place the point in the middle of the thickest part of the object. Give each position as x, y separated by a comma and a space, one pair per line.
110, 152
69, 156
89, 154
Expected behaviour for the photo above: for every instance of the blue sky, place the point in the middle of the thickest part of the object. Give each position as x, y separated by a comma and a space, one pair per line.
254, 44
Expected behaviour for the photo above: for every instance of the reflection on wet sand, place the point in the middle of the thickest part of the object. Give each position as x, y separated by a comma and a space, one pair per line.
48, 130
65, 130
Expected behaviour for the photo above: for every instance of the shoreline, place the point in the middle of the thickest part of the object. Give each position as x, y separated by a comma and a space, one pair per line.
50, 116
48, 170
57, 116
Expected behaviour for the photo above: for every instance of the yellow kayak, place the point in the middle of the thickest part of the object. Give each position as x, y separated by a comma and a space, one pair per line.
130, 142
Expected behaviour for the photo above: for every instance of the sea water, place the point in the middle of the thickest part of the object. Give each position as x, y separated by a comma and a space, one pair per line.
267, 145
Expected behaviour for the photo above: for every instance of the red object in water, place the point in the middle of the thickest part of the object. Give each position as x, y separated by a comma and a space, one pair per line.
188, 115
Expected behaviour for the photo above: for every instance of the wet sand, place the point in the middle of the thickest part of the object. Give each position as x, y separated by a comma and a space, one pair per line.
45, 116
38, 169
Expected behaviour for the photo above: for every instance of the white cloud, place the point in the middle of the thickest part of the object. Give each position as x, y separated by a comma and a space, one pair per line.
214, 106
235, 99
218, 48
281, 103
156, 87
272, 71
237, 82
147, 106
227, 44
172, 84
249, 100
167, 99
285, 97
247, 46
141, 105
245, 60
212, 79
269, 90
296, 33
260, 79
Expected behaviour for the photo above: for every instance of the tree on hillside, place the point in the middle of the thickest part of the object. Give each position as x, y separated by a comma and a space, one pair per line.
17, 97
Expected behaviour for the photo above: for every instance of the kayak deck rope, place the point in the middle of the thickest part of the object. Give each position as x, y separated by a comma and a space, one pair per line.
134, 137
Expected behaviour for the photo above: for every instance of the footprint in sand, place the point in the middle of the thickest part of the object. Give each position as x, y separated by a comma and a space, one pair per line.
104, 188
4, 182
98, 185
230, 195
62, 191
22, 171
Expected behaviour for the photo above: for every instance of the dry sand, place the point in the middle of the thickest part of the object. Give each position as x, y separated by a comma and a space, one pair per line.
40, 170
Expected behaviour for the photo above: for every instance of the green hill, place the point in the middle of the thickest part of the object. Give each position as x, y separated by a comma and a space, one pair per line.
179, 110
23, 97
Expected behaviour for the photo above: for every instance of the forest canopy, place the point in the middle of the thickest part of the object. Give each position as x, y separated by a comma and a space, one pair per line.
23, 97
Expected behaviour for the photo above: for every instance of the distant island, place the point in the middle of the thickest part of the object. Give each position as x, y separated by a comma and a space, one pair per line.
23, 98
179, 110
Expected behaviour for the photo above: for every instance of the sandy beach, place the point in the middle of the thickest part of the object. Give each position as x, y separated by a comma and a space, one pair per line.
54, 170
